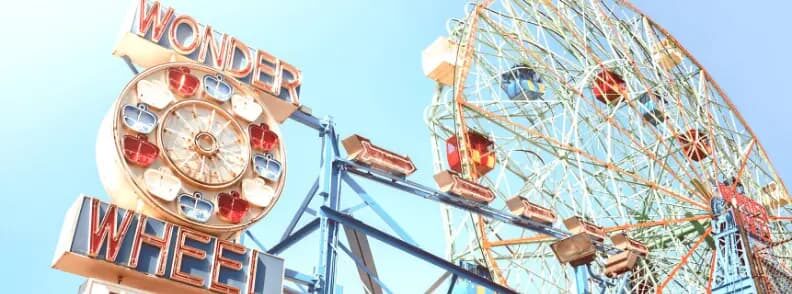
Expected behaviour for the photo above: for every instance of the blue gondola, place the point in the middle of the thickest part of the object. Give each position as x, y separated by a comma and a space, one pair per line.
522, 83
195, 208
652, 114
217, 88
267, 167
139, 118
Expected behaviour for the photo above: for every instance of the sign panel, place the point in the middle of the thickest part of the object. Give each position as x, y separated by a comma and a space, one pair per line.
155, 34
103, 241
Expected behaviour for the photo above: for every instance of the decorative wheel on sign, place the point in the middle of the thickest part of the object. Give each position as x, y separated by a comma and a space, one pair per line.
586, 115
193, 146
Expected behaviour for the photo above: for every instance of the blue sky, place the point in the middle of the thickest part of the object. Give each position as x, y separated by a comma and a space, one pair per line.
360, 63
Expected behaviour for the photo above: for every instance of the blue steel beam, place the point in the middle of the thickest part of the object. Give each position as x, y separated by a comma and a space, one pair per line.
330, 190
400, 183
129, 63
397, 243
255, 240
378, 209
363, 267
307, 119
294, 238
301, 210
300, 278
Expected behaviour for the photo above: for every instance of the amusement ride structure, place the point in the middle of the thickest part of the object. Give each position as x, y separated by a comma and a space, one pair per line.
578, 147
588, 116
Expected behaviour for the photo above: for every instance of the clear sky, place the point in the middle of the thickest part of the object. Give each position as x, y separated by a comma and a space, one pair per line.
361, 64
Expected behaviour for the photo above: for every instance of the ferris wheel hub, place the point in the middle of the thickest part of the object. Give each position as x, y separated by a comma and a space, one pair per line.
205, 144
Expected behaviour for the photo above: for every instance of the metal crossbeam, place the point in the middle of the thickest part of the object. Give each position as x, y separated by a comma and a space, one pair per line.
294, 238
301, 210
400, 183
351, 222
307, 119
378, 209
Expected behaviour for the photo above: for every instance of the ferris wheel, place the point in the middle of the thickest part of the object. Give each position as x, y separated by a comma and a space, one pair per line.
586, 115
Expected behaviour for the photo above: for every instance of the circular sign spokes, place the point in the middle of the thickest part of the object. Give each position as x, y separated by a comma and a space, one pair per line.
204, 144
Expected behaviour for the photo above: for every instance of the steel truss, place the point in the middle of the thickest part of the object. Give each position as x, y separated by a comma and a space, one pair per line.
329, 217
732, 258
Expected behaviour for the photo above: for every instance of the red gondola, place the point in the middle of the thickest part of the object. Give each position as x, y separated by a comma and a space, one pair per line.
609, 87
182, 82
695, 144
139, 151
481, 153
262, 138
232, 207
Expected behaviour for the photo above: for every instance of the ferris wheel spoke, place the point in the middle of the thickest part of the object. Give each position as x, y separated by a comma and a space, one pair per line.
227, 163
202, 166
222, 129
649, 224
188, 159
210, 123
179, 134
684, 260
184, 121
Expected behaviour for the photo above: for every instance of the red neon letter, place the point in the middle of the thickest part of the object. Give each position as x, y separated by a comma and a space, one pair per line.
218, 50
181, 250
268, 65
293, 84
254, 254
178, 44
246, 62
151, 18
107, 230
162, 243
220, 261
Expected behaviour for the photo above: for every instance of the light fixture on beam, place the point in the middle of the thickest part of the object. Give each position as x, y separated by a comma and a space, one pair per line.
361, 150
578, 225
519, 205
620, 263
625, 243
453, 183
575, 250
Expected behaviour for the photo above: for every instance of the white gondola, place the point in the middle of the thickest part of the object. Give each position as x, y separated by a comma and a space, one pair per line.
439, 61
667, 54
162, 183
257, 192
245, 107
155, 93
